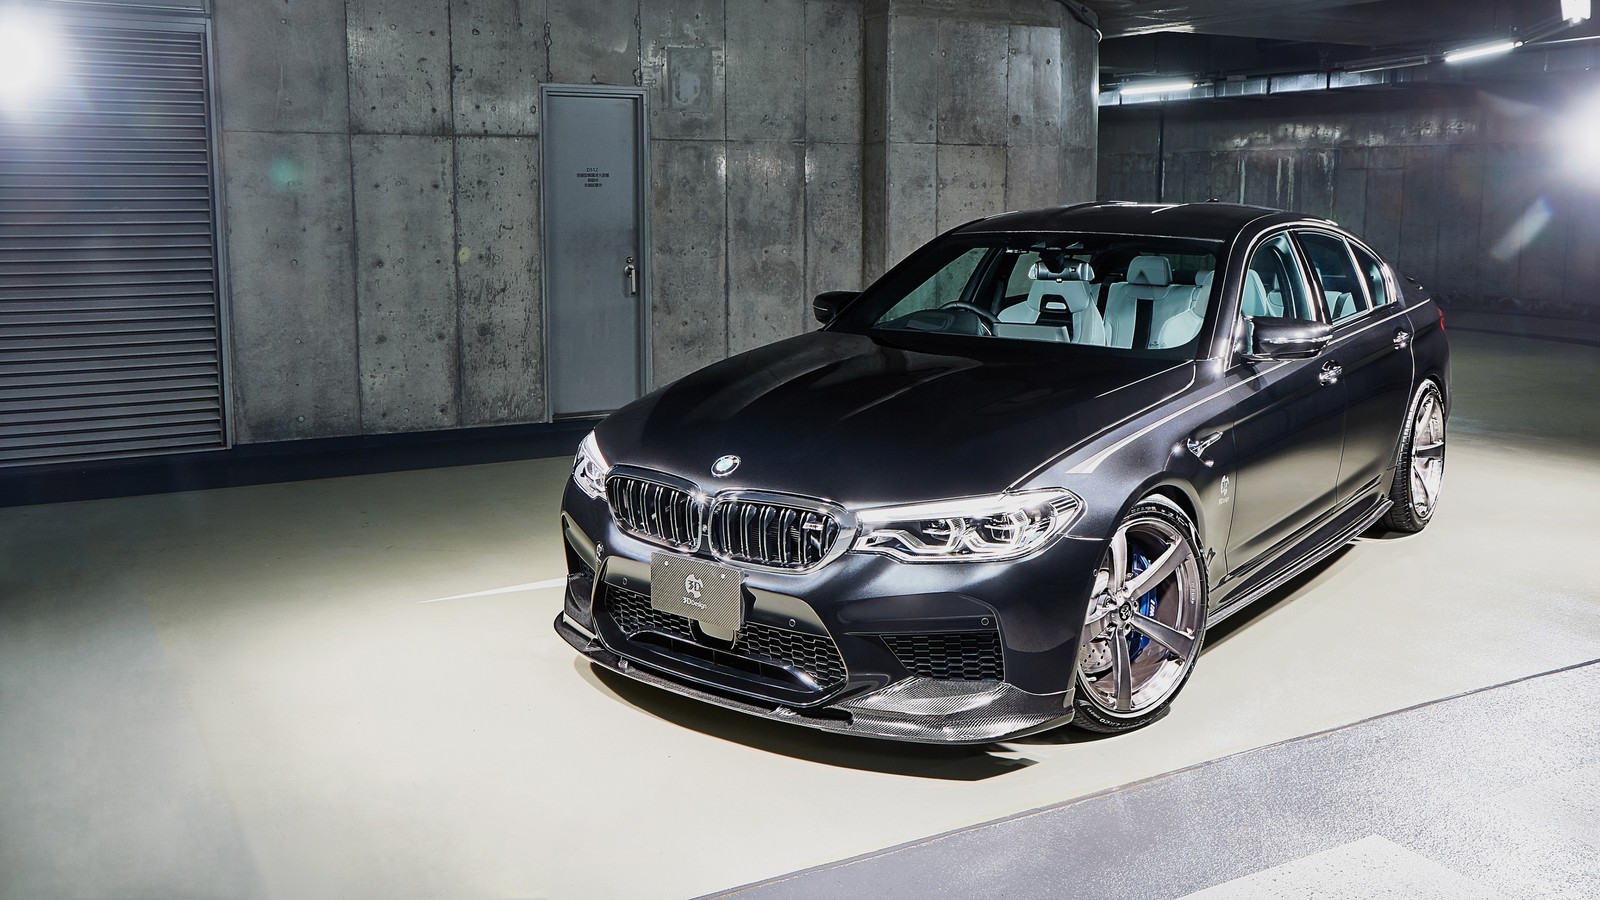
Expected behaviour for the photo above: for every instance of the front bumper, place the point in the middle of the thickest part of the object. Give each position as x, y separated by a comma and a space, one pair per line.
922, 710
1000, 639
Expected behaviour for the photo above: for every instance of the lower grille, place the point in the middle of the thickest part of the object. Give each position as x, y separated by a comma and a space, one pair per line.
951, 655
633, 614
814, 656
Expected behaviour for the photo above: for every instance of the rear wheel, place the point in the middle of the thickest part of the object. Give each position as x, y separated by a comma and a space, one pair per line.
1419, 474
1145, 623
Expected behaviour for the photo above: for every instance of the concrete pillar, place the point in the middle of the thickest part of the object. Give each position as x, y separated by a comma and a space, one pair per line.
971, 109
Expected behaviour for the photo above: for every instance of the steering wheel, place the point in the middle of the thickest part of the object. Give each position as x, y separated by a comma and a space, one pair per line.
988, 319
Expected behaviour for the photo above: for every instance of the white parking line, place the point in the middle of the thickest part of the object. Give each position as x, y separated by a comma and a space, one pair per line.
513, 589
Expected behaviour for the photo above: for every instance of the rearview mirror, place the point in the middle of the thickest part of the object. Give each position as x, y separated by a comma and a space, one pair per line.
1278, 338
1070, 270
828, 303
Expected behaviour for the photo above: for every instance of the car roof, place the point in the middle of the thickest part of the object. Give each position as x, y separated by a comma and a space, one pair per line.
1208, 221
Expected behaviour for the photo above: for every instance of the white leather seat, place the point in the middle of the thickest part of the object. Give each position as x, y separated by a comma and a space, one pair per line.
1177, 318
1256, 300
1149, 278
1342, 306
1074, 294
1053, 300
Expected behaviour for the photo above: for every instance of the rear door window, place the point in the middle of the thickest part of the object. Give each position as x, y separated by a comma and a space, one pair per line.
1372, 275
1342, 288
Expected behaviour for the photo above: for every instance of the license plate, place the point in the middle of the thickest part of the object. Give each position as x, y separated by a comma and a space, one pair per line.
703, 591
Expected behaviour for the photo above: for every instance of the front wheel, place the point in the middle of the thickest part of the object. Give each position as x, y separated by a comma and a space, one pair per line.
1419, 472
1145, 623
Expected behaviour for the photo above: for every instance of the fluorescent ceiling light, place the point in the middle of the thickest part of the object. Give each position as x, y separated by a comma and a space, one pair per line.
1156, 87
1363, 66
1575, 11
1481, 51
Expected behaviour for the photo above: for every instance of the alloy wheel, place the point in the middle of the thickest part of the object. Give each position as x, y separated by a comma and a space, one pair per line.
1144, 622
1427, 454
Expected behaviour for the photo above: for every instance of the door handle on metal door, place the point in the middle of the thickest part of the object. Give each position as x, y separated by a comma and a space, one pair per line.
631, 271
1199, 446
1331, 373
1402, 339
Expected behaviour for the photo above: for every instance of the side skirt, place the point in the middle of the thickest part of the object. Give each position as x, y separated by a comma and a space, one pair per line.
1318, 553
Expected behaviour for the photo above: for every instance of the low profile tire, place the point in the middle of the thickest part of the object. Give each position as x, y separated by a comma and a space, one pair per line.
1419, 471
1145, 622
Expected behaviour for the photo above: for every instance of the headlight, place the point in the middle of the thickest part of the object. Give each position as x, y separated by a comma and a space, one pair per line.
977, 529
589, 468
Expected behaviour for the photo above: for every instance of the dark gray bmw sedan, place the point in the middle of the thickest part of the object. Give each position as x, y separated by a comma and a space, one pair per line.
1012, 483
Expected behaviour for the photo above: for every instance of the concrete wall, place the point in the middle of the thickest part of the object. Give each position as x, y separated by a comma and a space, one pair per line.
1476, 194
381, 163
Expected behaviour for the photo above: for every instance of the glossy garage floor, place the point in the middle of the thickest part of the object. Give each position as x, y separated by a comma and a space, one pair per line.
350, 688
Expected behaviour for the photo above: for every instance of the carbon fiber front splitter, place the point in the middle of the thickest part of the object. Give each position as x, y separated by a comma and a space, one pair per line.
920, 710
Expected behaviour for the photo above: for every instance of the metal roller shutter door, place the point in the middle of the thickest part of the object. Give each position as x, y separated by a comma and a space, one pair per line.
110, 337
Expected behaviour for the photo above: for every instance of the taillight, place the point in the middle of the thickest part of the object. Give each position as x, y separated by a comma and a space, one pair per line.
1441, 315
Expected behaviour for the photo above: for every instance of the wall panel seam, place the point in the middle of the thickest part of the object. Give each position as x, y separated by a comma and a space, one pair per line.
355, 236
455, 206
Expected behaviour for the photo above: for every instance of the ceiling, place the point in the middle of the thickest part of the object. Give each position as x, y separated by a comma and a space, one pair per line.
1363, 23
1263, 36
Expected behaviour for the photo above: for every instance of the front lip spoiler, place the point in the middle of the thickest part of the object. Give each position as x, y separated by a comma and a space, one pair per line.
918, 710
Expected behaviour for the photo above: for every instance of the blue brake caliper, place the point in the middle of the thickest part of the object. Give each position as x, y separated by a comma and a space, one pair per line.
1147, 606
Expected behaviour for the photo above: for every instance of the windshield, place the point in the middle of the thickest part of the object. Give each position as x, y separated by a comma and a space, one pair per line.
1147, 296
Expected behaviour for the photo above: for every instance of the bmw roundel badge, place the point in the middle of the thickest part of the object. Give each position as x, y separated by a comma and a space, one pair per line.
724, 466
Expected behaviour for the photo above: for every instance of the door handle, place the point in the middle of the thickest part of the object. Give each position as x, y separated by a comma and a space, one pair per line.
1402, 339
1199, 446
1331, 373
631, 272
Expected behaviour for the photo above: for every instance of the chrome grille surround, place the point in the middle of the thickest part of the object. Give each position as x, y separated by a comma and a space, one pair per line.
658, 508
778, 532
750, 529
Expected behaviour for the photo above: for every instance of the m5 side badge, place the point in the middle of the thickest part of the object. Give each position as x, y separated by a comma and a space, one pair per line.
1223, 496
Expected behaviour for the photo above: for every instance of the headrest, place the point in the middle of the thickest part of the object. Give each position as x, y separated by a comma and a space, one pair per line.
1073, 301
1070, 270
1155, 271
1203, 279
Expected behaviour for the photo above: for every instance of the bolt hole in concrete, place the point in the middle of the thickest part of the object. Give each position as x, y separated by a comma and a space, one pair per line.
245, 692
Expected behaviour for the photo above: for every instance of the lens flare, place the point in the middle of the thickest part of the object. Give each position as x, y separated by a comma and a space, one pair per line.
1574, 136
30, 60
1525, 231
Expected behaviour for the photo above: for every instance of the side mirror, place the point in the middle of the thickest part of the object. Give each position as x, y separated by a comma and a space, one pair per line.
1274, 338
828, 303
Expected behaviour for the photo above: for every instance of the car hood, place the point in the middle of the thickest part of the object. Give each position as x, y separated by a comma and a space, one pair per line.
867, 420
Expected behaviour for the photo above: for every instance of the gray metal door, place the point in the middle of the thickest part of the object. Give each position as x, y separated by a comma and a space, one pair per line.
595, 302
